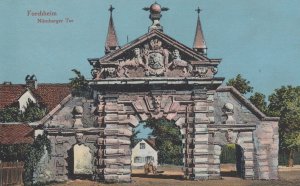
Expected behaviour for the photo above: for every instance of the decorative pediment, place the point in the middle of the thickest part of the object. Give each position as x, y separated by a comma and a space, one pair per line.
154, 54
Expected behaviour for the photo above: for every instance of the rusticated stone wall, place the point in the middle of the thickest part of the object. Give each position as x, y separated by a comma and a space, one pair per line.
118, 114
207, 120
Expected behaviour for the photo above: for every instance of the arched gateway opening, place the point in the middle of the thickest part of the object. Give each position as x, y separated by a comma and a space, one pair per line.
232, 161
157, 151
121, 114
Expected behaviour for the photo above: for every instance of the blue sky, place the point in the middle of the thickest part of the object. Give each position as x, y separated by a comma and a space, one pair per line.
258, 38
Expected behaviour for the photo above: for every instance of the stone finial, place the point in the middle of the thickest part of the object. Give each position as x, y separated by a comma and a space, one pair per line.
228, 109
155, 15
77, 115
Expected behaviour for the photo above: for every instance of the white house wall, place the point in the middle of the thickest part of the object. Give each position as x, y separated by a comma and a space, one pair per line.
23, 100
148, 151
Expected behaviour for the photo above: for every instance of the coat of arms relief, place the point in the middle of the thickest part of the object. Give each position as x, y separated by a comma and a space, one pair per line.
152, 59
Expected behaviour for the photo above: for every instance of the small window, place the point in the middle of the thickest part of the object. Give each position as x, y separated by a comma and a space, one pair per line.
142, 146
138, 159
149, 159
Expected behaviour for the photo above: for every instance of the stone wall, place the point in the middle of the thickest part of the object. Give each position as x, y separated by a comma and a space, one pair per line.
59, 166
266, 140
72, 125
207, 120
120, 113
256, 133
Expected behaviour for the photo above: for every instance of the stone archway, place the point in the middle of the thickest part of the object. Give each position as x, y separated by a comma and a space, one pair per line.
118, 114
167, 149
243, 140
196, 111
235, 167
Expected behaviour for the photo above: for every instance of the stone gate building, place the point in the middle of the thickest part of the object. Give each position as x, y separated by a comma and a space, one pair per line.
156, 76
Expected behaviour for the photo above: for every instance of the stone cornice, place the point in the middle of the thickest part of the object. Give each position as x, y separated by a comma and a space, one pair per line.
235, 127
158, 80
73, 130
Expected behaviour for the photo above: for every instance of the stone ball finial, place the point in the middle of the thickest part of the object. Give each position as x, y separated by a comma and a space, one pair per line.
155, 8
229, 107
77, 110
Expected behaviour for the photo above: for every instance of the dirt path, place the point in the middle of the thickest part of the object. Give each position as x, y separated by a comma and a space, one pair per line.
172, 176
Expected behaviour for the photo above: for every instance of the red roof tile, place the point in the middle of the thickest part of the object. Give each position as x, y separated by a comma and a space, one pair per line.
151, 142
16, 134
9, 94
49, 95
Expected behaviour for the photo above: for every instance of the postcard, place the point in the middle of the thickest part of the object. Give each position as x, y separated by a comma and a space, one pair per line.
140, 92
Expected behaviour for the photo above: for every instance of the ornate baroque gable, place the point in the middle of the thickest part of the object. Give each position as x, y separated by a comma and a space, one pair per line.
153, 54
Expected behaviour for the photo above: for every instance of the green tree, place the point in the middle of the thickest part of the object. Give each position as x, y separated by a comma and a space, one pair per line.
10, 114
79, 84
33, 112
241, 84
168, 141
259, 100
33, 156
285, 103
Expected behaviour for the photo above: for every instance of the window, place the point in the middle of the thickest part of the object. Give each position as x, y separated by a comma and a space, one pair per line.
138, 159
149, 159
142, 146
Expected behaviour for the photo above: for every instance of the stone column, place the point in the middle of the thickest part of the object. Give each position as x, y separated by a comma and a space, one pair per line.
117, 152
187, 130
201, 136
245, 140
266, 145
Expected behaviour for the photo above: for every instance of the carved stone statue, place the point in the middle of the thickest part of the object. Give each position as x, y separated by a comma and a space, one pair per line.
135, 62
99, 73
96, 73
79, 137
230, 136
178, 62
155, 58
201, 71
155, 61
156, 104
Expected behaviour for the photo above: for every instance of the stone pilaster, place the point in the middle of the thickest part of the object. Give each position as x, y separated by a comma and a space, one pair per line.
201, 136
117, 152
245, 139
187, 142
266, 145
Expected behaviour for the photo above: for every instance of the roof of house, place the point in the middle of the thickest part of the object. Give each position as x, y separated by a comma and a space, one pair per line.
16, 133
9, 94
47, 94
